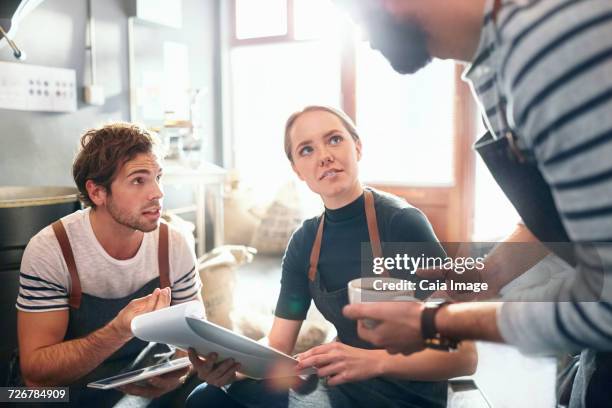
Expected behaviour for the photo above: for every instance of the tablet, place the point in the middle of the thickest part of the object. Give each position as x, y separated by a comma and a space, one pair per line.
141, 374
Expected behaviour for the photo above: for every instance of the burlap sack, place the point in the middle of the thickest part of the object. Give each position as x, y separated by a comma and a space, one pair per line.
282, 218
218, 274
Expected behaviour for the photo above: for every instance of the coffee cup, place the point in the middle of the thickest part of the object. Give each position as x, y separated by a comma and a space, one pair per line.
379, 289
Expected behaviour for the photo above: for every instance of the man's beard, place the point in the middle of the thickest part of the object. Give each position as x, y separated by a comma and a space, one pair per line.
404, 44
128, 220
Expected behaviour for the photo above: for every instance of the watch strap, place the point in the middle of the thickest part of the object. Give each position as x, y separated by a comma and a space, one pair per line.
431, 336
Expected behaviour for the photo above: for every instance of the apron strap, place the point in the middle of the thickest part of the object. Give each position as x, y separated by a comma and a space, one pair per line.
372, 224
316, 250
163, 260
372, 232
64, 242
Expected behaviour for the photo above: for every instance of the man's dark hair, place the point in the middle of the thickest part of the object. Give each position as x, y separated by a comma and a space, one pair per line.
104, 150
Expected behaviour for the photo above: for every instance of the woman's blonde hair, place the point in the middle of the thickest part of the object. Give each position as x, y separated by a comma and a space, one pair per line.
344, 118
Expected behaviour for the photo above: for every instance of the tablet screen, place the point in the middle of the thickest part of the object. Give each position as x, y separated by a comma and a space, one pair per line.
140, 374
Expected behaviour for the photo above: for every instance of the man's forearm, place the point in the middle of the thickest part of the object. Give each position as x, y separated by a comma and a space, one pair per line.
66, 362
516, 254
470, 321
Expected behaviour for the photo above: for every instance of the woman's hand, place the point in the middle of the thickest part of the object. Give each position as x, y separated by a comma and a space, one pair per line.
342, 363
214, 374
159, 385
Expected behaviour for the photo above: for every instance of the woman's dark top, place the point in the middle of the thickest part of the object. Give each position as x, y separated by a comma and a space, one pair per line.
340, 260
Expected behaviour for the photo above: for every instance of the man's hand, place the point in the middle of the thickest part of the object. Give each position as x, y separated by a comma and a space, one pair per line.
159, 385
399, 325
159, 299
217, 374
517, 253
48, 360
342, 363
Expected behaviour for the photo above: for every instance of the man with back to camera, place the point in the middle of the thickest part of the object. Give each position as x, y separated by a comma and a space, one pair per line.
85, 277
542, 72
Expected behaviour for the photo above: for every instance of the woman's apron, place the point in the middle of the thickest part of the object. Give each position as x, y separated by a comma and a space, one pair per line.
89, 313
379, 391
375, 392
519, 177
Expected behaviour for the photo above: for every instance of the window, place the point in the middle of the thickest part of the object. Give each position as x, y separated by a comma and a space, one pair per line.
269, 82
261, 18
288, 54
275, 72
316, 19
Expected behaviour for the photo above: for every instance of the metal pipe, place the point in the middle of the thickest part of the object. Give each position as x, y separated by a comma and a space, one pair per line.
91, 47
16, 51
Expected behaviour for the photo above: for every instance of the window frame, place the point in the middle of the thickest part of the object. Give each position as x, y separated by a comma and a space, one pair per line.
236, 42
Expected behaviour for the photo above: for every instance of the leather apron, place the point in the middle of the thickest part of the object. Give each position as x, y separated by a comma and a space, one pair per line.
89, 313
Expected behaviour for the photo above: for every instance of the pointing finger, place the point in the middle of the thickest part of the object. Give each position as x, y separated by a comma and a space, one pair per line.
153, 299
164, 298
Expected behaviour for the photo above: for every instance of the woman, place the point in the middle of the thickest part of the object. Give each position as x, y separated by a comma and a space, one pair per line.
323, 255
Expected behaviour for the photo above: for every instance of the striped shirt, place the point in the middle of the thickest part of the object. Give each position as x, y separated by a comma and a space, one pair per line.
548, 65
45, 281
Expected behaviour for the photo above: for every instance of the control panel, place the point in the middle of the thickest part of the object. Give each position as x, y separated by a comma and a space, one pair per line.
37, 88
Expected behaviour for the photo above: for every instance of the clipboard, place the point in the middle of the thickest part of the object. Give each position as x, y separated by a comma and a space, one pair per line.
184, 327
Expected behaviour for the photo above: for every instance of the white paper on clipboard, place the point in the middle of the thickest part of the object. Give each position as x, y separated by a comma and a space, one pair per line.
183, 326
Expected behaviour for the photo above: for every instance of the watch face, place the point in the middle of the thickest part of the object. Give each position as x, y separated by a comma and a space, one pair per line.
435, 344
441, 344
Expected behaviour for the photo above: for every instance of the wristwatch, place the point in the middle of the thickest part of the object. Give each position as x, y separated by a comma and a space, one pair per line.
433, 339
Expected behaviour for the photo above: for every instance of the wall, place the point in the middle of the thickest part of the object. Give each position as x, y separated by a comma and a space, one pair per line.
37, 148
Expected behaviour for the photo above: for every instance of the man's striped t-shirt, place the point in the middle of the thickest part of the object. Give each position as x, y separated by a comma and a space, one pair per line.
45, 281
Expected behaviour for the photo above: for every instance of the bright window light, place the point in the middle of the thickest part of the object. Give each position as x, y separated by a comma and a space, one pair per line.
269, 82
317, 19
261, 18
406, 121
494, 215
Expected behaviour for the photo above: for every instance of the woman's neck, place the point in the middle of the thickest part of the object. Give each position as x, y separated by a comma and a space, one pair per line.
345, 198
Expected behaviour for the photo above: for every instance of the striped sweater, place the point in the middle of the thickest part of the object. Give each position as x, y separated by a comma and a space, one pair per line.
548, 64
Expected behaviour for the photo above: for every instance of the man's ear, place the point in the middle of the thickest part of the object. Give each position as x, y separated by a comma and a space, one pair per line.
97, 193
295, 170
358, 147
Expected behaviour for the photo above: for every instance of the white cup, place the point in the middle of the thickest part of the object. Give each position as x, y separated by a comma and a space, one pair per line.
378, 289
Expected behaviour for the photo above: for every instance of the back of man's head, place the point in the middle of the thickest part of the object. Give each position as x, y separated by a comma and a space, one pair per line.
104, 150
